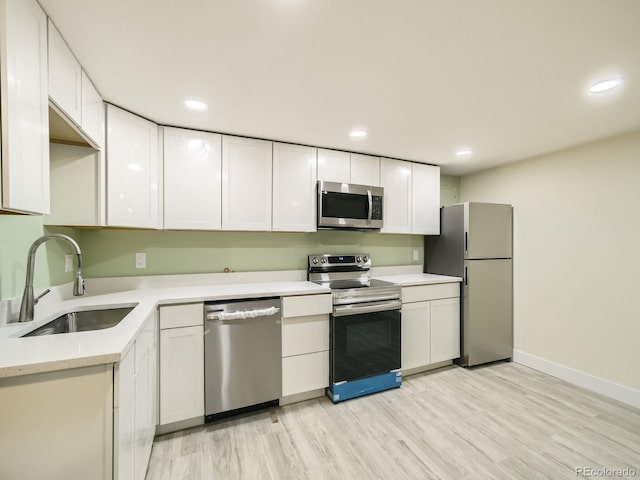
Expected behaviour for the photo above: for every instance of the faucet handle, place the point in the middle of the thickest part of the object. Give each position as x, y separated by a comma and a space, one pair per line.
37, 299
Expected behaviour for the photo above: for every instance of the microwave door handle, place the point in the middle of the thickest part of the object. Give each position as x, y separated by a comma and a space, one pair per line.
369, 214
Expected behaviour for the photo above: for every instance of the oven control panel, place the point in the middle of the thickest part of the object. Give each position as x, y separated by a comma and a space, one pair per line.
359, 261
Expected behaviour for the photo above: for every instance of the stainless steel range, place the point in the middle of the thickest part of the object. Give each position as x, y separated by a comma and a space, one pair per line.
365, 330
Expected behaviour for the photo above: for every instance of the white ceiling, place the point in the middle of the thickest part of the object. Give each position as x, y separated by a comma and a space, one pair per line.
507, 78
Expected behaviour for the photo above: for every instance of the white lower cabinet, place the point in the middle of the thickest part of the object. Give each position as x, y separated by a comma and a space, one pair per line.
416, 320
124, 414
135, 401
181, 363
445, 329
305, 343
430, 324
304, 373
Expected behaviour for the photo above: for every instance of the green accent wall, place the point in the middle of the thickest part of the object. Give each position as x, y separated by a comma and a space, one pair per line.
17, 233
112, 252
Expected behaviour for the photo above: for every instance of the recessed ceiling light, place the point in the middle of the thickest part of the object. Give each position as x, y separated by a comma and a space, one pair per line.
358, 133
605, 85
464, 152
195, 104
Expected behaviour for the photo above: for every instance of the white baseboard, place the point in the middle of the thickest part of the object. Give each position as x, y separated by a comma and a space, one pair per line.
622, 393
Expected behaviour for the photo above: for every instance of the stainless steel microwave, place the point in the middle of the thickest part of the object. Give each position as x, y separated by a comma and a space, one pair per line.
345, 205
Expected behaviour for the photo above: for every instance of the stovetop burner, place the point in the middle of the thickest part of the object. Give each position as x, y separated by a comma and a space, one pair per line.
349, 278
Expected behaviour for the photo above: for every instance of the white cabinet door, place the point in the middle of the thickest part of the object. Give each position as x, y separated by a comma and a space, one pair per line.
415, 335
425, 199
334, 166
24, 97
133, 171
365, 170
246, 183
445, 329
294, 188
305, 373
92, 112
302, 335
181, 374
124, 438
144, 396
192, 179
65, 76
395, 177
142, 402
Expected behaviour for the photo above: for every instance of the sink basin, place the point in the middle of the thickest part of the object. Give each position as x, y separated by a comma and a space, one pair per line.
82, 321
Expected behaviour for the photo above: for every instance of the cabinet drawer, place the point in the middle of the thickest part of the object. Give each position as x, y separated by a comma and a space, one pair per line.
304, 305
305, 334
422, 293
304, 373
185, 315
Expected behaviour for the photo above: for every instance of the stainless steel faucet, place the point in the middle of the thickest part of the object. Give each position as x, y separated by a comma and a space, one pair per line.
28, 302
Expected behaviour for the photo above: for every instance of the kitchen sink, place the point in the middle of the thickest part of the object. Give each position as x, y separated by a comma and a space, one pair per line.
83, 321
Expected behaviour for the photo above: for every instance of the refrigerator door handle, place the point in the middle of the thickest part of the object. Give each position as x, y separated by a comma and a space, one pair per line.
466, 241
466, 276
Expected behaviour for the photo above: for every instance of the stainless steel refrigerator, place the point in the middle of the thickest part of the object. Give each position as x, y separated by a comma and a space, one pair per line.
476, 243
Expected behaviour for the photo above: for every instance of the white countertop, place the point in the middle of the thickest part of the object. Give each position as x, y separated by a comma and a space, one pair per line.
21, 356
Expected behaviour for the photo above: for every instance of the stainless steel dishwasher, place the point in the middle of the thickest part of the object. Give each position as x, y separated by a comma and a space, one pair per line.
243, 355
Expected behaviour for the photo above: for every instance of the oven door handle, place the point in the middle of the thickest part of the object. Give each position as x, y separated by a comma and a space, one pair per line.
356, 308
367, 300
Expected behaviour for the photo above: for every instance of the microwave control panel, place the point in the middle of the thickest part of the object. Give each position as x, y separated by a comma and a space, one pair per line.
376, 211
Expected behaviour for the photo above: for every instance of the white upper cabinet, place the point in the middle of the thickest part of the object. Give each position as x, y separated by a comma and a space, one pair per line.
134, 171
72, 92
92, 112
395, 176
345, 167
425, 204
24, 112
334, 166
246, 183
294, 188
365, 169
192, 180
65, 76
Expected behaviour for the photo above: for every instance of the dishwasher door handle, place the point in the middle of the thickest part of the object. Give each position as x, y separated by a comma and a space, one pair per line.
241, 315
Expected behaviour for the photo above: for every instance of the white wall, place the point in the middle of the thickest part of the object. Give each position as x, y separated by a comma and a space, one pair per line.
576, 254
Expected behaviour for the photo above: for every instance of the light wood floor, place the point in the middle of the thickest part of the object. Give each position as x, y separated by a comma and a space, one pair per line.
502, 421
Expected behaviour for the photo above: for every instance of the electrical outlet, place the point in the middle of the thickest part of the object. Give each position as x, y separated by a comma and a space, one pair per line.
416, 254
68, 262
141, 260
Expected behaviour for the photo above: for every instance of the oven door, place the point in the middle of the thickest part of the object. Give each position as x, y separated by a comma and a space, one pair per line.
365, 340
